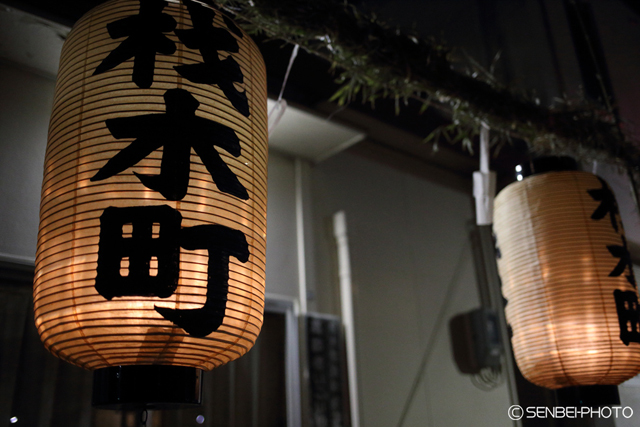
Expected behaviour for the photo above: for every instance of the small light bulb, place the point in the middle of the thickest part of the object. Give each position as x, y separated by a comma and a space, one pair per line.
13, 420
200, 419
519, 177
519, 168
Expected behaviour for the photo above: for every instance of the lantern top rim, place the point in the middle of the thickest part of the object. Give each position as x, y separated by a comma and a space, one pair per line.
546, 164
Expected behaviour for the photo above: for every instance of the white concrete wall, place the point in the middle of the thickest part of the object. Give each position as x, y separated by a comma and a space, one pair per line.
412, 271
25, 106
629, 397
282, 261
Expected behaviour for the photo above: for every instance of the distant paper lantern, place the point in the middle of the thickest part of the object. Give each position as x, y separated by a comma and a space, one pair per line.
152, 238
567, 276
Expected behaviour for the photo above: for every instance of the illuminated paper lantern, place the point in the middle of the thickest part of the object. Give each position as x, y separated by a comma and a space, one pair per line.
151, 248
572, 299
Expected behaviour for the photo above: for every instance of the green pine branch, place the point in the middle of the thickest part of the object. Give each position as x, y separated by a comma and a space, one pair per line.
374, 61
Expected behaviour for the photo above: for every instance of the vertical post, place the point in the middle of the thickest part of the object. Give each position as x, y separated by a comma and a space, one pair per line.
492, 283
302, 267
484, 148
484, 190
484, 182
254, 358
346, 303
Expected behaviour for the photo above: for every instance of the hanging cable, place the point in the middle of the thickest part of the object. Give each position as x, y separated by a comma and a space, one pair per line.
437, 328
278, 110
488, 378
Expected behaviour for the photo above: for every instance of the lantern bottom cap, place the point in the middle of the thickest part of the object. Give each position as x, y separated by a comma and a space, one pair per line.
592, 395
132, 387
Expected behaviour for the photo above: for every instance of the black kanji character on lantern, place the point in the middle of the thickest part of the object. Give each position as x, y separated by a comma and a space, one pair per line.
607, 205
177, 130
232, 26
621, 251
628, 315
145, 39
209, 40
498, 252
129, 245
221, 243
128, 250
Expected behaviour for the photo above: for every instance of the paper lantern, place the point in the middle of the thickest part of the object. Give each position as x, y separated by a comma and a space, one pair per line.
566, 273
152, 238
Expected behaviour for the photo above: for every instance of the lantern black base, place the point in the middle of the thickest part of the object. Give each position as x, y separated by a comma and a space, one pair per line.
592, 396
147, 387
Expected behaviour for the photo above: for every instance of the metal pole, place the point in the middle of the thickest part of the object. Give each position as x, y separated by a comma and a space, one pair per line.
493, 284
346, 303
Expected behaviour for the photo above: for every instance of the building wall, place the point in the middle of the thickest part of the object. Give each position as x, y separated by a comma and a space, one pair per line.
25, 105
412, 271
282, 261
26, 99
410, 251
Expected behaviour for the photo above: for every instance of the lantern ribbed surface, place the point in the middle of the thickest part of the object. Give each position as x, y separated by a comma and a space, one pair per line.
557, 240
87, 130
